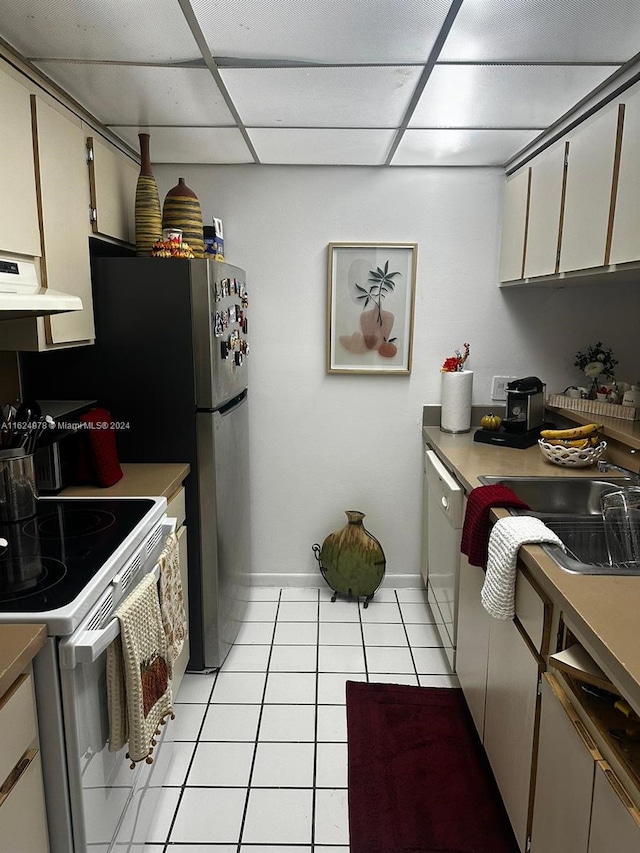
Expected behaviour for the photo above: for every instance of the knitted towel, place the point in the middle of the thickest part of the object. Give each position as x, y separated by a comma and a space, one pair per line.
138, 688
508, 534
174, 620
476, 526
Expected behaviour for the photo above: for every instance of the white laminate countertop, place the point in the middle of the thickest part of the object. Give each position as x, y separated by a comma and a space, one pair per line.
602, 610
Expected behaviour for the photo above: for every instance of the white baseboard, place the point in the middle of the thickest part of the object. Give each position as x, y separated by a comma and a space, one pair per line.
305, 579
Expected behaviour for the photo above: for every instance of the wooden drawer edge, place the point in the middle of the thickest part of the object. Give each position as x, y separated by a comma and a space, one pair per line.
628, 777
580, 728
16, 774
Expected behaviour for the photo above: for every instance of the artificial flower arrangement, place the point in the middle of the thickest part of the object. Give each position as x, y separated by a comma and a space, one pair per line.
454, 363
596, 362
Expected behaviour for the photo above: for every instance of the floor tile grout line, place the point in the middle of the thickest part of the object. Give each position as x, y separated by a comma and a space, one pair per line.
413, 660
255, 746
195, 749
315, 728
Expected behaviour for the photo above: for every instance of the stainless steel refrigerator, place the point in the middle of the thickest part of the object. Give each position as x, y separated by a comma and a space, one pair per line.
170, 363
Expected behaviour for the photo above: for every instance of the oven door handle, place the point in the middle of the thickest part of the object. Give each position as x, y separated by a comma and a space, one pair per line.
89, 644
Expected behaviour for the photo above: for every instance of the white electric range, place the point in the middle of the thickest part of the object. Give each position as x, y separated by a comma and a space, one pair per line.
68, 567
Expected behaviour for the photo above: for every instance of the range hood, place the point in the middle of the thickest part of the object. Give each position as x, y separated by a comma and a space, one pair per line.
22, 296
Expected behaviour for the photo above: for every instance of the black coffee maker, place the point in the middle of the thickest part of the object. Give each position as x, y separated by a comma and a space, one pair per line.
524, 416
525, 405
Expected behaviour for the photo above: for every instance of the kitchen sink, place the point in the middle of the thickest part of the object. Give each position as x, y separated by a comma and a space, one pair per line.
560, 495
586, 546
570, 506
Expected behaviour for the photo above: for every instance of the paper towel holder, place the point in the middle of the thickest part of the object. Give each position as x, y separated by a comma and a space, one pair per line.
455, 411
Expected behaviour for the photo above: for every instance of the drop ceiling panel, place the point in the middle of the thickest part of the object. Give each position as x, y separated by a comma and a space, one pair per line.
540, 30
460, 147
98, 29
321, 97
322, 30
190, 144
503, 95
172, 96
324, 147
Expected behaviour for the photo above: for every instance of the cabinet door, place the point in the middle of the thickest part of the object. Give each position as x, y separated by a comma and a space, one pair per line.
64, 202
514, 219
615, 821
564, 778
472, 641
545, 202
588, 193
113, 177
19, 228
625, 244
510, 720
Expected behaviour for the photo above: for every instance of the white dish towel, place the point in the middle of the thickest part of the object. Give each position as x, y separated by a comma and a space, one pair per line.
508, 534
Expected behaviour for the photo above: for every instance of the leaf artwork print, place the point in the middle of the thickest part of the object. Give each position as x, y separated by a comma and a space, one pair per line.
376, 323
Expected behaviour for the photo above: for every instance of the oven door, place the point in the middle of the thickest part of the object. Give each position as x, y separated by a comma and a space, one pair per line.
111, 804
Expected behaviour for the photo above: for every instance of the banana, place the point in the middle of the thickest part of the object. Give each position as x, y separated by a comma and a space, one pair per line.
580, 443
573, 433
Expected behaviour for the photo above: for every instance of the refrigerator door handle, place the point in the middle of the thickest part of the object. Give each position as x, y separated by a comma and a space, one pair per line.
233, 403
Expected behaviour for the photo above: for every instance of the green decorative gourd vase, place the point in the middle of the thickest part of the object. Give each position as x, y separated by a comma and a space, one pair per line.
352, 560
148, 219
181, 209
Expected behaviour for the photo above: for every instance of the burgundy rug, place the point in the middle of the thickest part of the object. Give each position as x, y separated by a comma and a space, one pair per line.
419, 780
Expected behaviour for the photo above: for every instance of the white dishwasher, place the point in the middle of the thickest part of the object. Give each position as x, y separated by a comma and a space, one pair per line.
443, 516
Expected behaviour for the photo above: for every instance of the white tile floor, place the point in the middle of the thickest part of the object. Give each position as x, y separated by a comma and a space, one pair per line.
260, 762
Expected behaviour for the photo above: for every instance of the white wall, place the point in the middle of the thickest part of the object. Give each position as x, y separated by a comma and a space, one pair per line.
321, 443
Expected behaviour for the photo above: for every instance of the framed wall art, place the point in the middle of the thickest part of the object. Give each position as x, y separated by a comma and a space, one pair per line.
370, 304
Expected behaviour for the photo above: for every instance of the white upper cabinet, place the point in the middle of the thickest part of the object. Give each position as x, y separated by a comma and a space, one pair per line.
590, 172
19, 229
64, 201
514, 219
113, 177
545, 204
625, 243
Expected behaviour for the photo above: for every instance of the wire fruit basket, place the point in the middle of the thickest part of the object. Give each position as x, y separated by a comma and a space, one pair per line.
571, 457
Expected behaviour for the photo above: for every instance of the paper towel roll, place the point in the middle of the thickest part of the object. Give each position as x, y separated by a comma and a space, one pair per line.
455, 415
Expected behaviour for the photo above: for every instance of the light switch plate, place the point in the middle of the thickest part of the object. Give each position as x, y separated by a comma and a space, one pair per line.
499, 387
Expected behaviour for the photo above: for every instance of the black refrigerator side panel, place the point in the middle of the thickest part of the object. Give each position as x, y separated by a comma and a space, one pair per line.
141, 366
141, 369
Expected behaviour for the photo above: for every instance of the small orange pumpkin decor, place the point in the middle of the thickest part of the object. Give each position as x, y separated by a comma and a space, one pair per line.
490, 422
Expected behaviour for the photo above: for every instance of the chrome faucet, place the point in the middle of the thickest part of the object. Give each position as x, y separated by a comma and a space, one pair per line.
603, 466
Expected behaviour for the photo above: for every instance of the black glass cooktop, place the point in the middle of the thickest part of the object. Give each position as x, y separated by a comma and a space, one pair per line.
47, 560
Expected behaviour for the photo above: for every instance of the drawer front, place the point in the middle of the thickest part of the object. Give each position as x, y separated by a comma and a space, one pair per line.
17, 723
23, 823
176, 507
530, 611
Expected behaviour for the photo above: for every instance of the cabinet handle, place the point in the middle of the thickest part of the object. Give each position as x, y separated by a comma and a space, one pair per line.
581, 729
613, 780
14, 777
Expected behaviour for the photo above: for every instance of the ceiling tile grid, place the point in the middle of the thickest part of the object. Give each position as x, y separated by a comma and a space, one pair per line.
327, 82
118, 94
